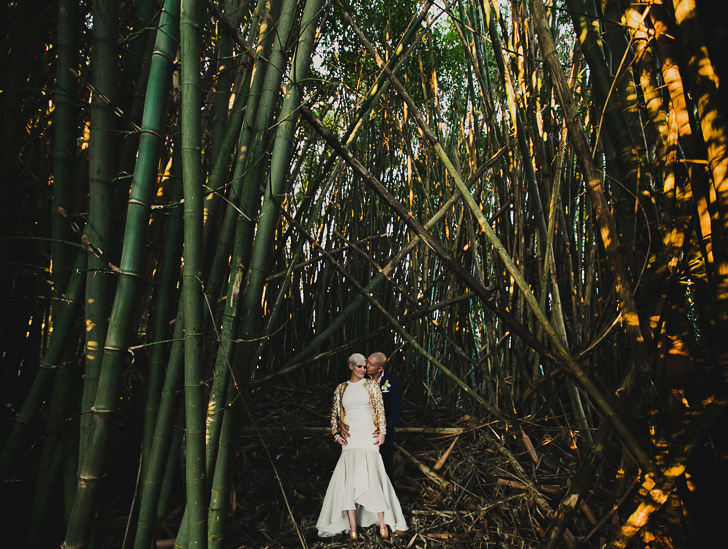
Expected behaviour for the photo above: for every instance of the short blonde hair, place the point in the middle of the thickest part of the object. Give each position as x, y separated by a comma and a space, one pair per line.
357, 358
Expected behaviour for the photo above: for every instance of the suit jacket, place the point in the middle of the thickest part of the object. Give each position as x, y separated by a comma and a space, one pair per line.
392, 395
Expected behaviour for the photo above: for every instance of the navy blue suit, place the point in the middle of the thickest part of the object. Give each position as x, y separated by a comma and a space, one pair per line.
392, 395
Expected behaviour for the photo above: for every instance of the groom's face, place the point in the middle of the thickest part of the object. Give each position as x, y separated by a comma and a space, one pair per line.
373, 367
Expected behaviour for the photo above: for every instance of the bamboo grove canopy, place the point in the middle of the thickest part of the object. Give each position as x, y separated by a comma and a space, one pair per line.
523, 203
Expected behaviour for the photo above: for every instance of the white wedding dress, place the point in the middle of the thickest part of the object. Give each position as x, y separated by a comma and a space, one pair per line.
359, 480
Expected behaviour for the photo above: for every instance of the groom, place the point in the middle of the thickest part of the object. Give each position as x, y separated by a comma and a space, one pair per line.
392, 406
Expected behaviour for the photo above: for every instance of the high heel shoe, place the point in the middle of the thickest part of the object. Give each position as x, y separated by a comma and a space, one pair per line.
352, 535
384, 533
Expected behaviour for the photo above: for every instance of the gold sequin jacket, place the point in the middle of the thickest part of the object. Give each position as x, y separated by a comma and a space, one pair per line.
375, 401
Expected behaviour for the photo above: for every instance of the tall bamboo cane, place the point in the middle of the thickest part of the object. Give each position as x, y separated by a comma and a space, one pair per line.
102, 169
161, 400
164, 311
64, 150
191, 141
115, 352
153, 470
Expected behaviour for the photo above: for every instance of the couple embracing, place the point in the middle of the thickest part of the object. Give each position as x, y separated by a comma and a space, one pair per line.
364, 413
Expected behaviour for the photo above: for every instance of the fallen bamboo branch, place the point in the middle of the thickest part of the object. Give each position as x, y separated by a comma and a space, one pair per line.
529, 447
429, 473
443, 459
440, 535
431, 430
518, 485
588, 513
451, 431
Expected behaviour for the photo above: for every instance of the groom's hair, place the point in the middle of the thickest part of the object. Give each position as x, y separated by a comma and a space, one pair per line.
380, 358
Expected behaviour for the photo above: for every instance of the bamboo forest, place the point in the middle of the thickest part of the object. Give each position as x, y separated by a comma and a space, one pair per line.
209, 207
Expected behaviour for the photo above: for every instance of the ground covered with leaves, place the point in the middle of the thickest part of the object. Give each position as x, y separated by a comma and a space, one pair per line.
463, 485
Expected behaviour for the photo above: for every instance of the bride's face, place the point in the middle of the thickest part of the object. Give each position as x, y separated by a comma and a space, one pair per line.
358, 370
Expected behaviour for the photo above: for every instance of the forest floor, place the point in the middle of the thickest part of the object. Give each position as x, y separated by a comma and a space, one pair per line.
474, 497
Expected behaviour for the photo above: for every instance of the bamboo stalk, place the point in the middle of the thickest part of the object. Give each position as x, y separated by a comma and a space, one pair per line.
191, 141
445, 455
431, 475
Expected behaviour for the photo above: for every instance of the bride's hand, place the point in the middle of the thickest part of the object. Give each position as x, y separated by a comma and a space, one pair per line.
380, 440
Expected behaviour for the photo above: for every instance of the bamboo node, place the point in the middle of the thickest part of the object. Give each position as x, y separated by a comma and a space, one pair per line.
138, 203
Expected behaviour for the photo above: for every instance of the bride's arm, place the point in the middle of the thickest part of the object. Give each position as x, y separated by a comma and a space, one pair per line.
336, 415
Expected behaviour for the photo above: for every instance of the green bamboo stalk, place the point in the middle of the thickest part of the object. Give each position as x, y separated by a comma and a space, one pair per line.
164, 298
150, 503
130, 267
224, 467
142, 30
225, 73
221, 159
256, 133
191, 140
64, 147
136, 61
223, 361
222, 139
70, 434
102, 171
169, 267
172, 465
162, 402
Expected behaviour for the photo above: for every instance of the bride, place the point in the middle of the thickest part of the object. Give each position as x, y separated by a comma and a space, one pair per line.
360, 492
